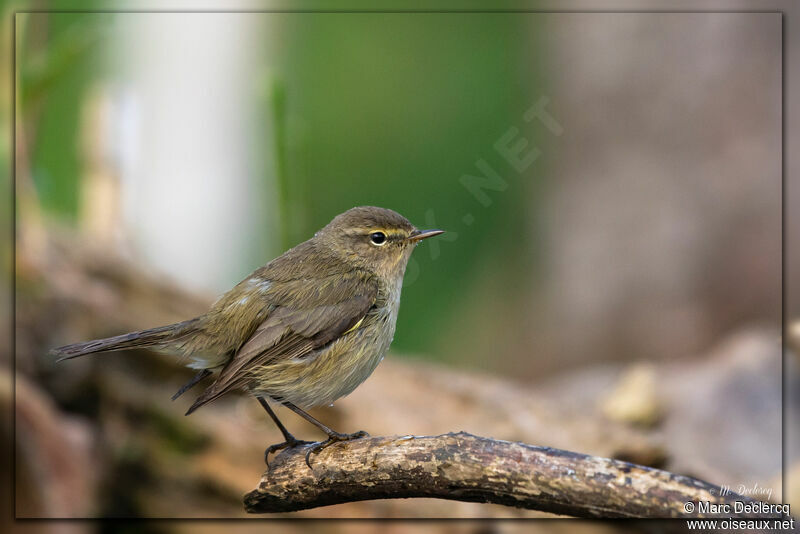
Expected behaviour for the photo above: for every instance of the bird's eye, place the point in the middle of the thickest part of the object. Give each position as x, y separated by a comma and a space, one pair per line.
377, 238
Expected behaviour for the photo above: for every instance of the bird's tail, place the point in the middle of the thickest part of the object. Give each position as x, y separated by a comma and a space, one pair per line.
151, 337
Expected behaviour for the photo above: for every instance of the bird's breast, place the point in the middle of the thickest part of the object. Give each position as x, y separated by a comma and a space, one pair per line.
336, 369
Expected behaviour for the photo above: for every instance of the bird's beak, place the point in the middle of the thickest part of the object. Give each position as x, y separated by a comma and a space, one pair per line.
419, 235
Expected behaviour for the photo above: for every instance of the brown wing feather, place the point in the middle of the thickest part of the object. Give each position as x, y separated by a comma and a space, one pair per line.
294, 329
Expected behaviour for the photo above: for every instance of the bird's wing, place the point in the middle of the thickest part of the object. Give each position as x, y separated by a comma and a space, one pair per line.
305, 315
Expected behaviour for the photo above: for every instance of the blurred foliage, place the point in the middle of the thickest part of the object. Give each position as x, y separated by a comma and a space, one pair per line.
6, 107
63, 55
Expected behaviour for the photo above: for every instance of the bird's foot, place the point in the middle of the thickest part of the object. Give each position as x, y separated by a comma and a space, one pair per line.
333, 437
288, 444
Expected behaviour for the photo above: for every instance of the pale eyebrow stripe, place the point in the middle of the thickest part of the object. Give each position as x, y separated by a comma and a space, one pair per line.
366, 231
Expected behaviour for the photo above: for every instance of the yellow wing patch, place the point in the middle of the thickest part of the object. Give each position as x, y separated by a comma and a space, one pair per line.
355, 326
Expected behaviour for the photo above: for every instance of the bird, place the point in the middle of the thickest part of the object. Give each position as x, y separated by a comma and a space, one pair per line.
304, 330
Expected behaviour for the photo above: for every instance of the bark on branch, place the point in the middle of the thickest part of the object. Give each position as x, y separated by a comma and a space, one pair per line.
463, 467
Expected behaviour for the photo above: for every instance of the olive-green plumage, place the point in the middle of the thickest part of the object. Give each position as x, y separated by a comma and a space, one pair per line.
305, 329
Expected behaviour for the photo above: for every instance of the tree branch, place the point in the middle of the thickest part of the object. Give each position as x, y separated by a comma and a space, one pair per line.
463, 467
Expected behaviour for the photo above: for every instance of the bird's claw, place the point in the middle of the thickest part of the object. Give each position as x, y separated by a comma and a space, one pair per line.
288, 444
332, 438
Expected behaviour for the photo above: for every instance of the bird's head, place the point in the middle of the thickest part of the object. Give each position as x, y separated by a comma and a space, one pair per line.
377, 239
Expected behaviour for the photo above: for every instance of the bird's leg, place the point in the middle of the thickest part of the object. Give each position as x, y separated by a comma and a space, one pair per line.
333, 436
289, 439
